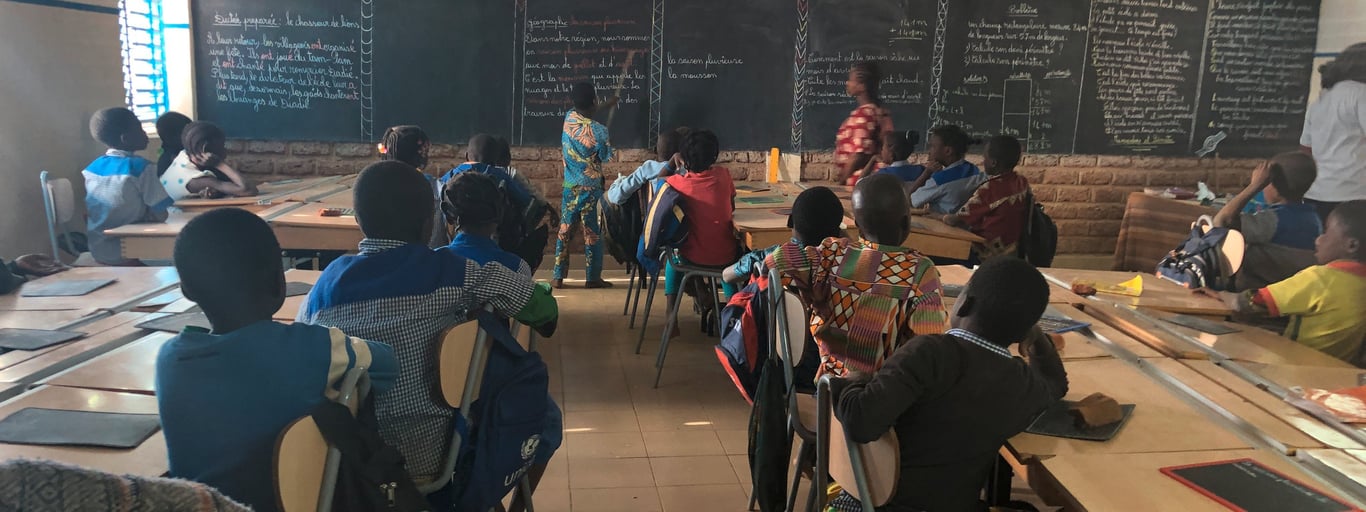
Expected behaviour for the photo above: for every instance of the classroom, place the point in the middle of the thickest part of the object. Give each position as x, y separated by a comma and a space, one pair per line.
915, 255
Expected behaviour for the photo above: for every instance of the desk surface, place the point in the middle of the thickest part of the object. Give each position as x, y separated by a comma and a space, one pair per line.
51, 319
132, 286
267, 192
1286, 376
959, 275
1162, 422
1134, 482
1157, 293
148, 459
26, 366
308, 216
1271, 423
1081, 346
1253, 344
171, 228
130, 368
290, 310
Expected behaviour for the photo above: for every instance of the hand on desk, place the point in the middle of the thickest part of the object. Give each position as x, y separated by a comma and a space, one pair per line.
39, 265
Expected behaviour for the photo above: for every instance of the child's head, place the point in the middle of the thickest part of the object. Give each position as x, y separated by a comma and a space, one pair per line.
394, 202
483, 148
229, 264
1002, 154
897, 146
864, 78
1349, 65
585, 97
205, 143
882, 210
472, 202
118, 128
948, 144
816, 215
1291, 175
667, 145
504, 152
1002, 301
170, 127
407, 144
1344, 235
699, 149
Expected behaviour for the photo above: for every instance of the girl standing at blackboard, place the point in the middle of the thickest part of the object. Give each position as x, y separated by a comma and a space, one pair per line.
859, 139
1335, 132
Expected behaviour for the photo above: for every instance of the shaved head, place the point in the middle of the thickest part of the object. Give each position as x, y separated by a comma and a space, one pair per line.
881, 209
483, 148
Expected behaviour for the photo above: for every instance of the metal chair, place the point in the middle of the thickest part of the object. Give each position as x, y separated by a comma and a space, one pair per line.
649, 300
305, 465
874, 468
711, 276
789, 316
59, 207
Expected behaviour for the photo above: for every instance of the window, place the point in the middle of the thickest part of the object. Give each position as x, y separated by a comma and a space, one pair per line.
144, 57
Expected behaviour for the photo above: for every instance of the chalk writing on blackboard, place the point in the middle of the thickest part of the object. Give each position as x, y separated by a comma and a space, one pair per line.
260, 61
560, 51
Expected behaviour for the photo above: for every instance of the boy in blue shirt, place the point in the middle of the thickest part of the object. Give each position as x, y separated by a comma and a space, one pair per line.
226, 395
1280, 237
666, 163
949, 179
896, 149
121, 188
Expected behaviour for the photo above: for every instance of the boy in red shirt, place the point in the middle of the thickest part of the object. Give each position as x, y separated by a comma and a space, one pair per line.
998, 209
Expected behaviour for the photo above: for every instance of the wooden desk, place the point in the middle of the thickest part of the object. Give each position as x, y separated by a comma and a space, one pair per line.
132, 285
1152, 226
148, 459
767, 200
29, 366
1133, 482
1162, 422
1270, 423
959, 275
1249, 344
933, 237
1158, 293
1080, 346
304, 229
54, 319
1286, 376
130, 368
290, 310
340, 199
1348, 463
269, 194
156, 241
762, 227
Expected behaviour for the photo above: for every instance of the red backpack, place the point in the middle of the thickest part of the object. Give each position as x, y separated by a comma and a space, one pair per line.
744, 344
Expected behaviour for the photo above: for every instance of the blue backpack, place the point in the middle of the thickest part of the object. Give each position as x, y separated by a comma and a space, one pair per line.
507, 420
1200, 261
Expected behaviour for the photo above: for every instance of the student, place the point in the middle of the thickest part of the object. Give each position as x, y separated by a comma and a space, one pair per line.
400, 292
868, 296
483, 152
949, 179
896, 150
666, 163
816, 215
998, 210
955, 398
409, 144
537, 217
1335, 132
859, 139
226, 395
201, 170
1280, 237
1323, 301
170, 127
117, 190
474, 204
13, 274
585, 147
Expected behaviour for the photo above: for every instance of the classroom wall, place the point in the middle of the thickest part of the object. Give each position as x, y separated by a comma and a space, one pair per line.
57, 67
1084, 194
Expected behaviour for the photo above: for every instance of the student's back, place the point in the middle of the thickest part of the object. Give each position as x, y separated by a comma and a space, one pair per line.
121, 188
707, 195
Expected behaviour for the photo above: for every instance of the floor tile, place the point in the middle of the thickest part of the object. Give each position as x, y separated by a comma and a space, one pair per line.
622, 499
658, 419
611, 420
678, 443
729, 497
735, 442
704, 470
610, 473
599, 445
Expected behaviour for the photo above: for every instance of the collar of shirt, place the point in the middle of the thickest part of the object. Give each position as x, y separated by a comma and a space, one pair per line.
481, 242
979, 341
1353, 267
118, 152
378, 245
881, 247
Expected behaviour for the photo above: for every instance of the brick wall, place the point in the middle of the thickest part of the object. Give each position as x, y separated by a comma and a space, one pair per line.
1084, 194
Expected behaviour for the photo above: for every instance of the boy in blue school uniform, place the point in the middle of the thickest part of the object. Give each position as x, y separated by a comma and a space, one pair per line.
121, 188
401, 292
896, 150
949, 179
1280, 237
226, 395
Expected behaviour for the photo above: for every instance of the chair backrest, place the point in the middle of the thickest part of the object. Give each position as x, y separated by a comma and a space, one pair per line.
792, 319
457, 353
63, 198
873, 468
305, 465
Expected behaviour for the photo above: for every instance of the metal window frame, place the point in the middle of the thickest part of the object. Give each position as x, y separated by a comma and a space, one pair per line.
145, 92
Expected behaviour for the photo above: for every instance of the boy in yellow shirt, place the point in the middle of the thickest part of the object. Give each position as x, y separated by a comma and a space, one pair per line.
1324, 302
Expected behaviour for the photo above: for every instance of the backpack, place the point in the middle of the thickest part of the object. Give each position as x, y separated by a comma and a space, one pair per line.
506, 421
1039, 244
371, 475
770, 446
622, 226
744, 343
535, 234
1202, 261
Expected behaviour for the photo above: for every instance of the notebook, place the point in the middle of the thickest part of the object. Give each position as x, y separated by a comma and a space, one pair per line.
56, 427
34, 339
177, 322
66, 288
293, 289
1201, 324
1058, 421
1056, 322
1250, 486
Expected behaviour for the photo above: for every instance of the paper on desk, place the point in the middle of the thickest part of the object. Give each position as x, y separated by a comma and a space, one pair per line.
1349, 405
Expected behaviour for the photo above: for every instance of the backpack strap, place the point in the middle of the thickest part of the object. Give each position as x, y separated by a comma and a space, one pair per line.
497, 331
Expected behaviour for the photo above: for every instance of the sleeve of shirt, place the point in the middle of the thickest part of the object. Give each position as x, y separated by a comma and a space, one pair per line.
796, 264
1306, 139
604, 144
928, 315
496, 285
348, 352
541, 308
383, 367
926, 194
976, 209
1258, 228
153, 194
921, 367
627, 185
1296, 295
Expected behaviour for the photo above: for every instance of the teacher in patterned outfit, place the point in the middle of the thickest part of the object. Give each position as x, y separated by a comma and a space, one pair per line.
859, 139
585, 147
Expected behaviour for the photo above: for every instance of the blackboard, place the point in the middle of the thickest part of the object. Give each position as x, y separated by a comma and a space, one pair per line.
731, 73
1066, 76
1248, 485
607, 43
898, 34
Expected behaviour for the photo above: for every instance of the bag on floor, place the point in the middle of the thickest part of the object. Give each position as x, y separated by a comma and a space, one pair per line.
506, 421
1207, 259
371, 476
622, 225
769, 444
744, 343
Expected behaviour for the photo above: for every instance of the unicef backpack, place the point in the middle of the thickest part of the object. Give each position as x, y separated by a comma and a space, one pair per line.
506, 421
1207, 259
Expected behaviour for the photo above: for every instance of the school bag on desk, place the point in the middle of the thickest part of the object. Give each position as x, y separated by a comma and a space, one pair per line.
1207, 259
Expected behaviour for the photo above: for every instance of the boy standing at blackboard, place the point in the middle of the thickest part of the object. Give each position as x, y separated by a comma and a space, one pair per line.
585, 147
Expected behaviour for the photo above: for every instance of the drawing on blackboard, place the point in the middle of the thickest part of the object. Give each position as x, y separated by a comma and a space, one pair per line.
1211, 144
